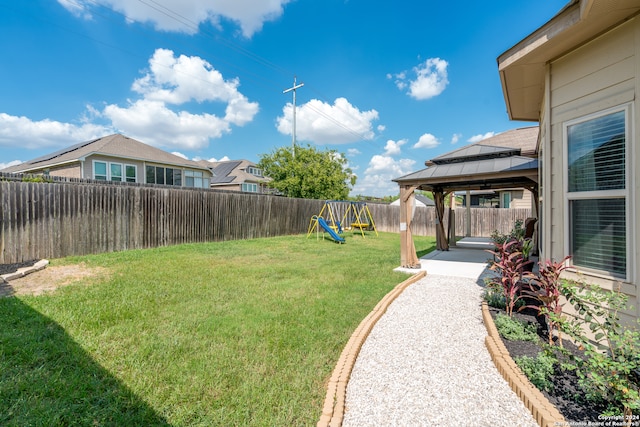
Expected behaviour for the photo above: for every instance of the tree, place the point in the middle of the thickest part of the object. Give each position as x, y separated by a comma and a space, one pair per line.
310, 174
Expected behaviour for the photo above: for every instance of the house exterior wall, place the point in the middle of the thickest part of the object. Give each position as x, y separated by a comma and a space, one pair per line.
520, 198
227, 187
140, 166
87, 168
238, 186
598, 76
69, 170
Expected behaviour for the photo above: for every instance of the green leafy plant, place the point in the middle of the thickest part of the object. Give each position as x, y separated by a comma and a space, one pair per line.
310, 173
515, 330
526, 247
36, 178
510, 266
493, 294
610, 370
539, 370
517, 233
498, 238
545, 287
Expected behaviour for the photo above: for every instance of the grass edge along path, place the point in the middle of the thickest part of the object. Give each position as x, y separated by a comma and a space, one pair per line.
227, 333
334, 403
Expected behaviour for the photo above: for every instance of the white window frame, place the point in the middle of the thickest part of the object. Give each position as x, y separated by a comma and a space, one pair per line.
503, 196
135, 173
254, 171
248, 187
604, 194
93, 172
109, 176
197, 178
121, 178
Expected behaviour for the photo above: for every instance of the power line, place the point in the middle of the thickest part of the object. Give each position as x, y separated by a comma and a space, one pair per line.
174, 15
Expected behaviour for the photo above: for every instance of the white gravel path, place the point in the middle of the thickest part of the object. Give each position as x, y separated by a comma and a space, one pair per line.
425, 364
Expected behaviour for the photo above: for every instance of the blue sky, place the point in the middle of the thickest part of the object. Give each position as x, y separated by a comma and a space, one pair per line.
388, 84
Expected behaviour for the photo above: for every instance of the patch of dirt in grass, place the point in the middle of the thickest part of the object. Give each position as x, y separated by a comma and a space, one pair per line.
50, 278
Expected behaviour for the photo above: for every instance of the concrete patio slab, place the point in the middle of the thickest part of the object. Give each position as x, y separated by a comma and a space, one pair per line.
466, 260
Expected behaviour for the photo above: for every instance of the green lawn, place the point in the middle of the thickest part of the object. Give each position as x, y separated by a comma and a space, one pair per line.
236, 333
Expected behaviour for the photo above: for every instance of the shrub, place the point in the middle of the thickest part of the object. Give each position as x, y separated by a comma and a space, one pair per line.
515, 330
611, 368
510, 265
493, 294
539, 370
545, 287
517, 233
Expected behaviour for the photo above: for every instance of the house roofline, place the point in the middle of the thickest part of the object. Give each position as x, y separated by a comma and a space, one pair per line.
523, 67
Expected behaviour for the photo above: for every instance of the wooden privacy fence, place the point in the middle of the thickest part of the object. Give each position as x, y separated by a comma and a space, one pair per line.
52, 220
483, 220
79, 217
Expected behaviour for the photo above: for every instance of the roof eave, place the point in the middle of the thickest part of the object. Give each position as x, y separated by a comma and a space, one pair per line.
33, 167
523, 67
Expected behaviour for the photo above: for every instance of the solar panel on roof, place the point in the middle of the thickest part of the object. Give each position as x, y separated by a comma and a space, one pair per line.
61, 152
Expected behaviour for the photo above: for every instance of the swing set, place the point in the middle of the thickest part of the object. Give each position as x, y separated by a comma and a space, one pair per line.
355, 216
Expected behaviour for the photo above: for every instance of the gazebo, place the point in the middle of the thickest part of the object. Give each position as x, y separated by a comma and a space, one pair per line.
507, 160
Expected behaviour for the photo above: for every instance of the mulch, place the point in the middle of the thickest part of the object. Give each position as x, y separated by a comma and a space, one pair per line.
566, 394
12, 268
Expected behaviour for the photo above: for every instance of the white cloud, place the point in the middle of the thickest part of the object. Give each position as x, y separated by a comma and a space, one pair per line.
223, 159
173, 80
353, 152
177, 80
427, 141
431, 79
176, 153
323, 123
78, 9
45, 133
169, 81
480, 137
186, 15
377, 178
154, 123
392, 147
455, 138
11, 163
213, 159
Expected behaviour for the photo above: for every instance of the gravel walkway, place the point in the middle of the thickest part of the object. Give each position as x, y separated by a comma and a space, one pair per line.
425, 364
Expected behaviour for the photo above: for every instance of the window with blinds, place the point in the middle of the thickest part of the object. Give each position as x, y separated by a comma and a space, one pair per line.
598, 232
597, 193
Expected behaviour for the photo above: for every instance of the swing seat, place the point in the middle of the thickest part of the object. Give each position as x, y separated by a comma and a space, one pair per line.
360, 224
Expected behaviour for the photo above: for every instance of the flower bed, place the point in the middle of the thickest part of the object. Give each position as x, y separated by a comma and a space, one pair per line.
596, 379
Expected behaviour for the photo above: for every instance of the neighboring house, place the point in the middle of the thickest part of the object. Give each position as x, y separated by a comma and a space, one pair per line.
578, 76
514, 198
118, 158
236, 175
420, 201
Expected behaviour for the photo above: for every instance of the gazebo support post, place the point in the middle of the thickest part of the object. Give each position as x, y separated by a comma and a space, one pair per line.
441, 238
408, 255
468, 212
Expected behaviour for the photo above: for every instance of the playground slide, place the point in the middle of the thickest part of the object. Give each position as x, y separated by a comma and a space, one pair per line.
330, 230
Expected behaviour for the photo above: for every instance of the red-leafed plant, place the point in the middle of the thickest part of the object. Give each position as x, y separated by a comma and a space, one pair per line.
510, 264
545, 287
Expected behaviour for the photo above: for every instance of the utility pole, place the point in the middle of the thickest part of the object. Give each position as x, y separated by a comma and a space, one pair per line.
293, 133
